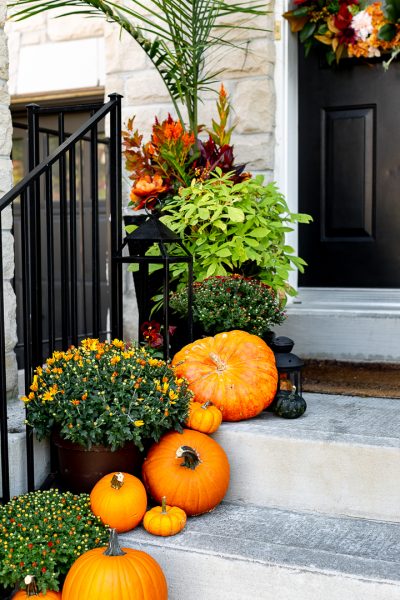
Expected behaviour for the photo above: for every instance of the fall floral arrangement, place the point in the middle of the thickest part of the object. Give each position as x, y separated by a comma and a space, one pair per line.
347, 28
106, 393
231, 302
173, 157
42, 533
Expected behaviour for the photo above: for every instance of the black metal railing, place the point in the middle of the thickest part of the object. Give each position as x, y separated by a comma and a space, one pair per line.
48, 198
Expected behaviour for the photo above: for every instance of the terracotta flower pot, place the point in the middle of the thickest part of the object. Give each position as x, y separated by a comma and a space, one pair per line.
80, 468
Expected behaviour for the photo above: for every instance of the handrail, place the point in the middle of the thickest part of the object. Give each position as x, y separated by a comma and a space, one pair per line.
43, 224
60, 151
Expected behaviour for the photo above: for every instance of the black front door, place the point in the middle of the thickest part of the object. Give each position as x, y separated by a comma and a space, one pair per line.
349, 173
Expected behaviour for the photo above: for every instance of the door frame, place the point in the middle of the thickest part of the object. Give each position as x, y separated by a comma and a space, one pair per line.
286, 117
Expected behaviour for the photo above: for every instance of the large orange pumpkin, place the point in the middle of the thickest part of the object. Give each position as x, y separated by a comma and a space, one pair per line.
115, 573
236, 370
31, 591
190, 469
120, 500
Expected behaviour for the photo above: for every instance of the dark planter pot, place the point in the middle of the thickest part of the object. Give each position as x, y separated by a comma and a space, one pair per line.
80, 469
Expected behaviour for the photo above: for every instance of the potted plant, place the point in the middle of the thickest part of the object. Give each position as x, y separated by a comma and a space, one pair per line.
101, 402
234, 226
223, 303
42, 533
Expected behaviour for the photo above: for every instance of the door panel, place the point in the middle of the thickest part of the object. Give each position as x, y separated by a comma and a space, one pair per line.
349, 173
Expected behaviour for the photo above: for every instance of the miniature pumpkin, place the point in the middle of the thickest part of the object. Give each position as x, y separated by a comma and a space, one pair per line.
289, 405
164, 520
31, 591
204, 417
190, 469
115, 572
236, 369
120, 500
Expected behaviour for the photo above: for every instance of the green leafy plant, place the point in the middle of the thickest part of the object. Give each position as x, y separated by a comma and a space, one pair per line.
235, 228
106, 393
176, 35
231, 302
42, 533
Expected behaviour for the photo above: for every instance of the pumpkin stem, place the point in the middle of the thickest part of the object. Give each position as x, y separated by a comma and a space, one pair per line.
206, 405
113, 548
190, 457
220, 364
31, 587
117, 481
164, 505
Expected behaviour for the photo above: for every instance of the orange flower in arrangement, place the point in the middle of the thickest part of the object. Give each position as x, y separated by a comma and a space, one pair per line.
145, 191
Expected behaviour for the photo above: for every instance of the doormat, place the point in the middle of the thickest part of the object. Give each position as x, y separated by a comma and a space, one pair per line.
377, 380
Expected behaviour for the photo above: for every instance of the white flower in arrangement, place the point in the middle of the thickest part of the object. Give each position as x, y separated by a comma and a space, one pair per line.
362, 25
372, 52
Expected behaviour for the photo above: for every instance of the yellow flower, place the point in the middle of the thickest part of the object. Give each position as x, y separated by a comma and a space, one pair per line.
48, 395
118, 343
139, 423
25, 399
34, 386
115, 360
90, 344
172, 395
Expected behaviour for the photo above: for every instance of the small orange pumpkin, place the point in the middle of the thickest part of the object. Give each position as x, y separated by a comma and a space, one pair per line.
115, 573
120, 500
190, 469
204, 417
31, 591
164, 520
236, 369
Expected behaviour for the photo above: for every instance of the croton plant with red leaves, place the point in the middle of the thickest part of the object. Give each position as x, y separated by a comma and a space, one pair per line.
173, 157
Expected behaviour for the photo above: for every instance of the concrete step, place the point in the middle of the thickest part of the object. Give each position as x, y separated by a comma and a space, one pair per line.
345, 324
247, 552
342, 457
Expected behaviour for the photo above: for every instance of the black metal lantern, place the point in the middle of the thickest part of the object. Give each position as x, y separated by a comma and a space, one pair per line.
153, 231
288, 364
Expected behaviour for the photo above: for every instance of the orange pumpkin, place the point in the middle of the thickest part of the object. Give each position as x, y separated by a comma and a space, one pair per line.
204, 417
164, 520
190, 469
236, 369
31, 591
120, 500
115, 573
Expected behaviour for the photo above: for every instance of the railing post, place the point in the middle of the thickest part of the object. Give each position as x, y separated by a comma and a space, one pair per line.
5, 471
35, 239
116, 215
34, 267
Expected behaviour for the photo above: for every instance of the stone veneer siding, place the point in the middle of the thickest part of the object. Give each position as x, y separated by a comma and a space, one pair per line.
5, 185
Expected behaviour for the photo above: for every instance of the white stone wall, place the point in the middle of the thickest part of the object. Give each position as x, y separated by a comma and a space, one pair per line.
5, 185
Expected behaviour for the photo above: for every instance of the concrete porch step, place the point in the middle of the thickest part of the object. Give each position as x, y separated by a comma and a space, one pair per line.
247, 552
345, 324
342, 457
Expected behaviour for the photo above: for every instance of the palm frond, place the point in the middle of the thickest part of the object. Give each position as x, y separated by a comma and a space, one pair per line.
175, 34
